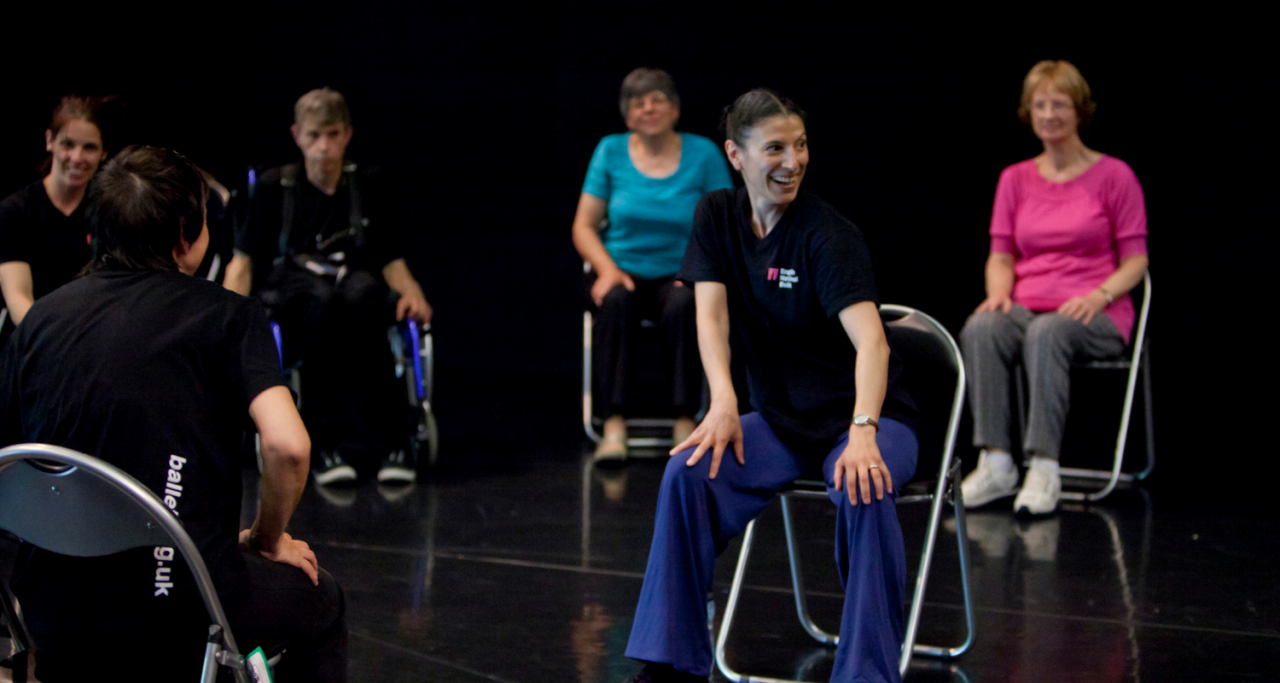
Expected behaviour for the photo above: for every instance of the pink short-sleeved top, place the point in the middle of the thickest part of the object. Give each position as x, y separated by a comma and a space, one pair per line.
1067, 238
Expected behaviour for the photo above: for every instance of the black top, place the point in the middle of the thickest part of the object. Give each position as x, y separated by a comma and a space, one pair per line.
317, 218
785, 294
33, 230
152, 372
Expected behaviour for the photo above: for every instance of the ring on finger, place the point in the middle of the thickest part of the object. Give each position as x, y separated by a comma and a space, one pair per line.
873, 467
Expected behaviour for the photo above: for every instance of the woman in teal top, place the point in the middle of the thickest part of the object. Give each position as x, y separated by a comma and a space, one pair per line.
647, 183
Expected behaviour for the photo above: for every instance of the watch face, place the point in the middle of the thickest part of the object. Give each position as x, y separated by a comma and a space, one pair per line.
861, 419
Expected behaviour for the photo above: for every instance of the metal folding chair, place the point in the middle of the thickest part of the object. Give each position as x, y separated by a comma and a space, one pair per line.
1137, 364
74, 504
928, 352
413, 348
649, 423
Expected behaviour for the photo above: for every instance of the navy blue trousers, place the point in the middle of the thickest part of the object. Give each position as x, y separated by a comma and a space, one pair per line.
697, 516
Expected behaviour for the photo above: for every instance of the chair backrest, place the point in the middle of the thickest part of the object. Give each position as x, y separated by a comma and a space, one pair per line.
933, 374
74, 504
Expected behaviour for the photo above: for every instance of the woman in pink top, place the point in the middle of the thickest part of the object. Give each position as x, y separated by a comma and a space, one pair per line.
1068, 242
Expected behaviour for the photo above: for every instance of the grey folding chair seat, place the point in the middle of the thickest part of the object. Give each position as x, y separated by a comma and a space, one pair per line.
930, 356
1138, 364
74, 504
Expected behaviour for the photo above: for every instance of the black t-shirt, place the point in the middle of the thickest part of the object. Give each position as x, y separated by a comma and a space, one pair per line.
33, 230
318, 221
152, 372
785, 294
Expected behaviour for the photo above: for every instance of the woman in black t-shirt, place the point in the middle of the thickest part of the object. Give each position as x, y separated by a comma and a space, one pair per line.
44, 240
793, 280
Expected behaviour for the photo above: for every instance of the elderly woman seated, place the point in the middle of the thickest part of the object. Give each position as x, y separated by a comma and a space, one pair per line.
1068, 242
646, 182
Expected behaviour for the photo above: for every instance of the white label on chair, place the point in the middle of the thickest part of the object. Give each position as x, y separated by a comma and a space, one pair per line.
256, 664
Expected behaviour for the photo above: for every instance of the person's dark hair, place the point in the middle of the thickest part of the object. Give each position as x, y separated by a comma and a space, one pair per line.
643, 81
753, 107
140, 205
102, 112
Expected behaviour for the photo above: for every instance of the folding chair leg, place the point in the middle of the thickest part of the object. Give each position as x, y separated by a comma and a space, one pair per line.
1147, 415
910, 647
797, 581
17, 630
731, 607
963, 538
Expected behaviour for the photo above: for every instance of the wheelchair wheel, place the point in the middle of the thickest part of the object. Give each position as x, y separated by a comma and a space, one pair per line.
432, 435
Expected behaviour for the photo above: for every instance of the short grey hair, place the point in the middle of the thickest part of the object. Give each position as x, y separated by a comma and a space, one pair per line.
643, 81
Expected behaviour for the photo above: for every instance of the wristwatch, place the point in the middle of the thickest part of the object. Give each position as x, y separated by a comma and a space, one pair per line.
861, 420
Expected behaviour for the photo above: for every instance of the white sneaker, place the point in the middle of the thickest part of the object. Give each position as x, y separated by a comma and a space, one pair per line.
987, 483
1040, 492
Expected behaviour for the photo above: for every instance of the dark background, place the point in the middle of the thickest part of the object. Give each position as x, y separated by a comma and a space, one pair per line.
488, 117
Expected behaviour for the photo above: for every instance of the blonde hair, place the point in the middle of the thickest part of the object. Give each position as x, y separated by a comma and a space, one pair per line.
1067, 79
327, 106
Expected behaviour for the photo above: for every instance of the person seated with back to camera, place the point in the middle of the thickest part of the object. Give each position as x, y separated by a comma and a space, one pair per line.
44, 239
1068, 242
647, 183
154, 371
320, 247
791, 280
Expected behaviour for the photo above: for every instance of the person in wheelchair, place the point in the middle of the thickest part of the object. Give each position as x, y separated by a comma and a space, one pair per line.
43, 235
319, 247
155, 372
1068, 242
646, 182
792, 281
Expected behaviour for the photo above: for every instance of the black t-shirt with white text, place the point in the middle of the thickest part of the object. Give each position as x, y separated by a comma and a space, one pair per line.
152, 372
785, 293
34, 231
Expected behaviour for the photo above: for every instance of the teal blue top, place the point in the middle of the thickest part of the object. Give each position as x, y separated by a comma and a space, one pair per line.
650, 218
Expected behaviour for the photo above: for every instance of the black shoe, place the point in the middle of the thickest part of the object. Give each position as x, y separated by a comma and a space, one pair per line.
330, 468
663, 673
399, 467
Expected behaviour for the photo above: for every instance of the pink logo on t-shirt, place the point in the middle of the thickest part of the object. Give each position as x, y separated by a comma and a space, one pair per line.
773, 275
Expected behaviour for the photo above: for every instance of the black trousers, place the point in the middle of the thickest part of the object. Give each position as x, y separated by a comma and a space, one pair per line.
617, 346
351, 397
84, 629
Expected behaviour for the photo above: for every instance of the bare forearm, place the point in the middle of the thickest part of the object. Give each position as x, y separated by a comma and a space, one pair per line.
713, 347
1127, 276
399, 277
283, 481
286, 457
871, 378
587, 241
18, 289
999, 275
239, 275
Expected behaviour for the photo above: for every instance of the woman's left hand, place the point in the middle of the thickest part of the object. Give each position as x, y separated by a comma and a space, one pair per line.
1083, 308
859, 465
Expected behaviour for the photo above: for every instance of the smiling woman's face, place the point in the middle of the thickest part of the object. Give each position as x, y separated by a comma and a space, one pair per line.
772, 159
77, 152
652, 113
1053, 114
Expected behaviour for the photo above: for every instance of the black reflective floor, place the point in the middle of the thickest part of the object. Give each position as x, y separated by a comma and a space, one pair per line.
527, 568
529, 571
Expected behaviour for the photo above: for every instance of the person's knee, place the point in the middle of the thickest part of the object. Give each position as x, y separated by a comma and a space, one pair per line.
982, 327
617, 298
1050, 332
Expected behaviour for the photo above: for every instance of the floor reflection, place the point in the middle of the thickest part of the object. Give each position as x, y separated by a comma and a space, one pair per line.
530, 572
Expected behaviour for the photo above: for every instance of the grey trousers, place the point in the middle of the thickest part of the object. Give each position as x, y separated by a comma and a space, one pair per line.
994, 343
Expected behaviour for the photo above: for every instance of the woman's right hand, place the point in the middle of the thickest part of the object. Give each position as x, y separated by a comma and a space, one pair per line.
998, 302
720, 428
607, 280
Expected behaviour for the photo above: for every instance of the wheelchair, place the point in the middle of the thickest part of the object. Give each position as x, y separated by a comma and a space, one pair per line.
414, 354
